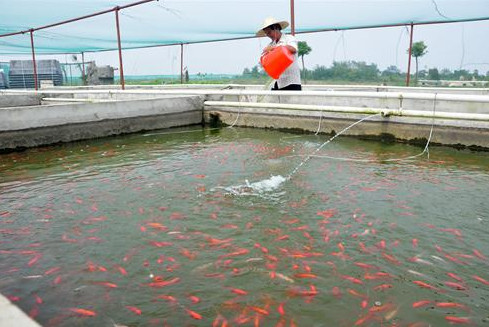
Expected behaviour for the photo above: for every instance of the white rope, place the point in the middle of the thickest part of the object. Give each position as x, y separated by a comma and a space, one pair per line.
319, 127
425, 150
328, 141
239, 111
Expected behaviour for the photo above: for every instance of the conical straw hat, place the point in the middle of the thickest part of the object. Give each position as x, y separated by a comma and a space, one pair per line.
271, 21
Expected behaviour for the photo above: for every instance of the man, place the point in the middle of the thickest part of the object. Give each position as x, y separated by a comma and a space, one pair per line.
291, 77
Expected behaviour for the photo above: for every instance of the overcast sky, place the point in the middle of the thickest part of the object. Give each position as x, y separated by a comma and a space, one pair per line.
452, 46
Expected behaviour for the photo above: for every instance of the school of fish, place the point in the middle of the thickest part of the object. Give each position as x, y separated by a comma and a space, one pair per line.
103, 235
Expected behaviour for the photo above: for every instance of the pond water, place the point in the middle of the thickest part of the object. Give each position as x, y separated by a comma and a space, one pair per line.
205, 227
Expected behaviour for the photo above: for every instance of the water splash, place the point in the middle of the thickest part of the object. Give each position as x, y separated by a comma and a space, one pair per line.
257, 188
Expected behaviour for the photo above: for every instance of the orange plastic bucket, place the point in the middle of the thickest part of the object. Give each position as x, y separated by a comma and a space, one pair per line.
276, 61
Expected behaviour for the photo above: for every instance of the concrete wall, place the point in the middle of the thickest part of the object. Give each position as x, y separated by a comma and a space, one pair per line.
472, 134
112, 112
40, 125
13, 100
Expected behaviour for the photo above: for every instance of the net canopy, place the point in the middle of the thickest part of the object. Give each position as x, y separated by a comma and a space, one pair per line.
190, 21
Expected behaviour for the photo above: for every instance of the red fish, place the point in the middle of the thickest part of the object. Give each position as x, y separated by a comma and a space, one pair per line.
34, 260
421, 303
52, 271
164, 283
327, 213
456, 286
415, 243
458, 320
357, 294
134, 309
479, 255
259, 310
480, 279
167, 297
84, 312
239, 291
382, 287
365, 265
305, 276
425, 285
336, 292
106, 284
122, 270
452, 305
160, 244
38, 299
352, 279
390, 258
455, 276
193, 314
281, 309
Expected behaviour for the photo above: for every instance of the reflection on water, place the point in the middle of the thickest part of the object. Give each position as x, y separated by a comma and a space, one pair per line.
202, 228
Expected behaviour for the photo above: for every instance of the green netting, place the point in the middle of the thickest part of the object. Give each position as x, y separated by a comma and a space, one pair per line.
189, 21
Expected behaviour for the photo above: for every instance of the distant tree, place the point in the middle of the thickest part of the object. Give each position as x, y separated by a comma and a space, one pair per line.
433, 74
304, 49
418, 50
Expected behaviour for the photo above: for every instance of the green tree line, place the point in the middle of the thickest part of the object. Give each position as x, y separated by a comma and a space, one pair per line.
359, 72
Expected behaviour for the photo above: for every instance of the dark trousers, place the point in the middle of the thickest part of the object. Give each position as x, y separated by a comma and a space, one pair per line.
290, 87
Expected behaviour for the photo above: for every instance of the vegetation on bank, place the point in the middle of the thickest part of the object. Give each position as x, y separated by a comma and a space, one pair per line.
347, 72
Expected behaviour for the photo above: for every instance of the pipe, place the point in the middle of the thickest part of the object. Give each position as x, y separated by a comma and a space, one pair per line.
121, 67
408, 75
384, 112
98, 13
84, 80
34, 59
181, 63
344, 94
292, 17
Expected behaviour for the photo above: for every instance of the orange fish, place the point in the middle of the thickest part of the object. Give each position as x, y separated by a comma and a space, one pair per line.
479, 255
382, 287
415, 242
107, 284
122, 270
164, 283
134, 309
421, 303
239, 291
38, 299
51, 271
425, 285
84, 312
357, 294
456, 286
480, 279
458, 320
194, 299
365, 265
167, 297
259, 310
281, 309
304, 275
390, 258
455, 276
352, 279
452, 305
193, 314
336, 292
160, 244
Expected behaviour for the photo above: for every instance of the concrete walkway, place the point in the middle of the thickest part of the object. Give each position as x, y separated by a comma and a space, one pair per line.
12, 316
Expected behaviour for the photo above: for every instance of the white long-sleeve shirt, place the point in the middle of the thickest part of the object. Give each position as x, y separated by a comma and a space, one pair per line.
292, 75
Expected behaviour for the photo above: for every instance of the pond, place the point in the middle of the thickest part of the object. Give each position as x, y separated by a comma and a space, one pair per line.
218, 227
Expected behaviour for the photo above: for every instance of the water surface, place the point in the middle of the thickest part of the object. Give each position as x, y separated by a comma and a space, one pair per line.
172, 229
